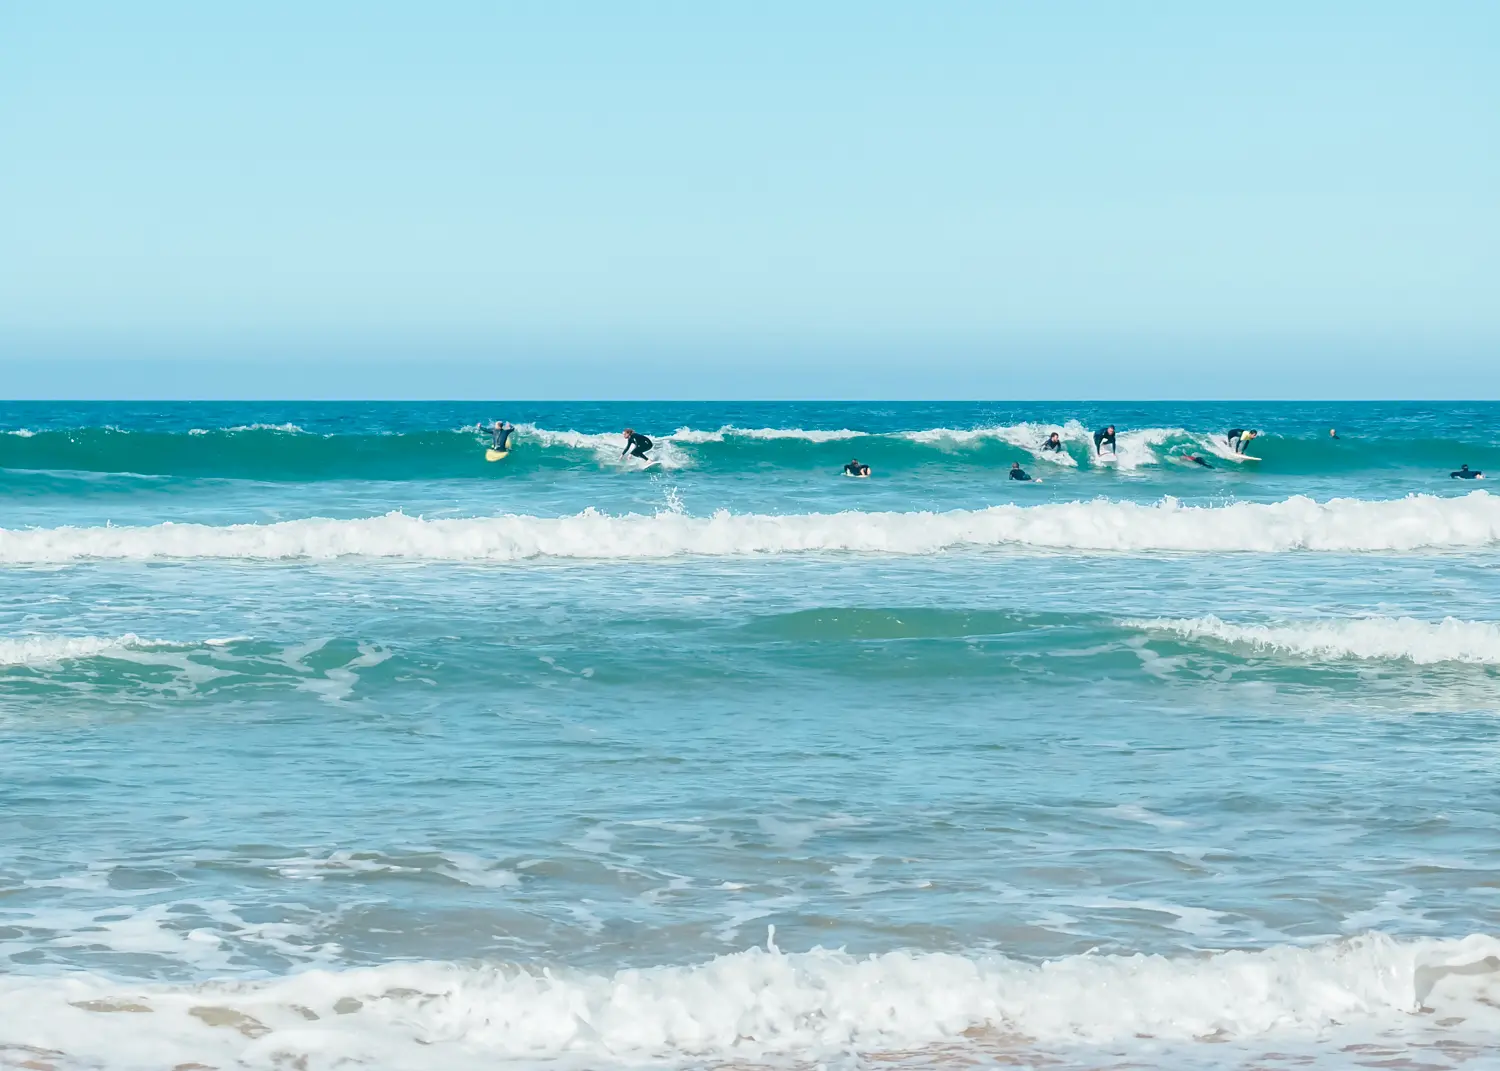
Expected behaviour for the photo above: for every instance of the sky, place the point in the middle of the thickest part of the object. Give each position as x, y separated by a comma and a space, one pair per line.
770, 199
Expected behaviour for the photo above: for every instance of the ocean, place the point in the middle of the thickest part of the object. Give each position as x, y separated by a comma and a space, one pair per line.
324, 743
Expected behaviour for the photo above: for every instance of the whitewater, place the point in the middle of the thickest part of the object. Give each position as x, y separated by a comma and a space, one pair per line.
326, 743
1415, 523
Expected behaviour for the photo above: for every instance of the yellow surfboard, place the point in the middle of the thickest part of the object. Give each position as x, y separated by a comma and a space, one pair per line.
496, 455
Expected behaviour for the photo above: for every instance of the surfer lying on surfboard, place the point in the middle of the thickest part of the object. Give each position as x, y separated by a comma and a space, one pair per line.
1018, 473
636, 445
854, 468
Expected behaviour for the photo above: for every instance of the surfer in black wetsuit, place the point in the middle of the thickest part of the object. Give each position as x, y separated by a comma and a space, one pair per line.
500, 436
1018, 473
1239, 438
854, 468
636, 445
1053, 443
1196, 459
1106, 435
1466, 473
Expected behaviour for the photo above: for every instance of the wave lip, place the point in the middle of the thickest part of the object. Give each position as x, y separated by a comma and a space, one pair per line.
1402, 638
1418, 522
50, 650
756, 1004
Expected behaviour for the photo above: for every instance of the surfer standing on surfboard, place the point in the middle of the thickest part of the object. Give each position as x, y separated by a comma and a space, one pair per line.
1239, 438
636, 445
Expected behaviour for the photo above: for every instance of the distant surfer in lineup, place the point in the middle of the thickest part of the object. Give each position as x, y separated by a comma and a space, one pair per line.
1333, 433
1053, 443
1239, 438
500, 436
1466, 473
1018, 473
1105, 435
854, 468
636, 445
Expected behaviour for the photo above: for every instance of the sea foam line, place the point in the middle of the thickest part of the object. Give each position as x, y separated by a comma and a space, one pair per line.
756, 1004
1418, 522
1403, 638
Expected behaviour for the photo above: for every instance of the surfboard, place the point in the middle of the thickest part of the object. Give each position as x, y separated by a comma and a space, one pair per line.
496, 455
858, 476
1245, 457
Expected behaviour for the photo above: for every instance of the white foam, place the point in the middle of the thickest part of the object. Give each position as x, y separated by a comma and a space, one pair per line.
757, 1005
729, 431
605, 446
50, 650
1417, 522
1404, 638
291, 429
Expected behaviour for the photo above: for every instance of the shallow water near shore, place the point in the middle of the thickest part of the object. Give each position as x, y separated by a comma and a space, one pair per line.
324, 742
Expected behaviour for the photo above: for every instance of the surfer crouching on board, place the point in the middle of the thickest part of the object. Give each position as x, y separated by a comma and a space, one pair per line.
1105, 435
854, 468
1239, 438
636, 445
500, 436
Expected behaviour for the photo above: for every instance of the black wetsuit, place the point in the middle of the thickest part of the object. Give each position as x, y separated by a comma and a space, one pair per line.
857, 470
1017, 474
501, 437
636, 446
1465, 473
1053, 444
1195, 459
1102, 436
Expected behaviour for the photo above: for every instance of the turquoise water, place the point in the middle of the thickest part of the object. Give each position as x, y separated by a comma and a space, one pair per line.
326, 743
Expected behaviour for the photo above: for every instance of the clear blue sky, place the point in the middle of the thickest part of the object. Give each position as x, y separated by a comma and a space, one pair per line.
763, 199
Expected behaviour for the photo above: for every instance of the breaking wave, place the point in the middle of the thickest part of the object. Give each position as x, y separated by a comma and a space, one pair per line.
50, 650
1402, 638
1417, 522
265, 451
756, 1006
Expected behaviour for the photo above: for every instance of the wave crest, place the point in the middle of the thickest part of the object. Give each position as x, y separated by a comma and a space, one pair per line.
1404, 638
1418, 522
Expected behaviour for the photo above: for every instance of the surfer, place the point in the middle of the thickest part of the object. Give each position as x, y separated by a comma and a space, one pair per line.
636, 445
1105, 435
1196, 459
500, 436
1239, 438
854, 468
1053, 443
1018, 473
1333, 433
1465, 473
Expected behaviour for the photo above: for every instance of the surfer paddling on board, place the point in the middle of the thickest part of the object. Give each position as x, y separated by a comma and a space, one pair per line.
1239, 438
1018, 473
854, 468
636, 445
1196, 459
1466, 473
1105, 435
1053, 443
500, 436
